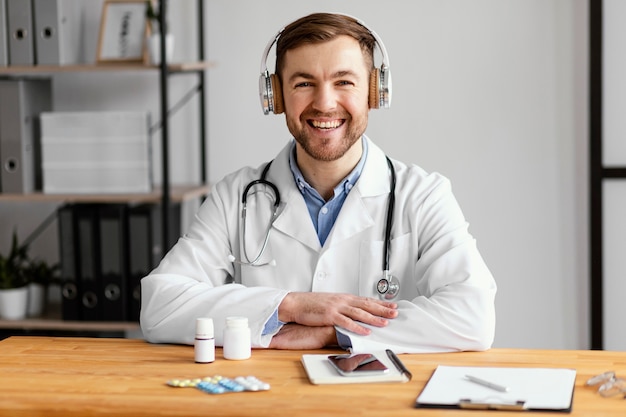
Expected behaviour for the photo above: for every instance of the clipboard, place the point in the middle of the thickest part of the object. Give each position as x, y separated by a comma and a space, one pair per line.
520, 389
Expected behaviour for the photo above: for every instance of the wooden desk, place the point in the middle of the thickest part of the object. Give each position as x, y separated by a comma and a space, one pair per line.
116, 377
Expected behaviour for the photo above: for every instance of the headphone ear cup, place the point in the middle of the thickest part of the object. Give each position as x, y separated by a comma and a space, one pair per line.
279, 105
384, 88
374, 99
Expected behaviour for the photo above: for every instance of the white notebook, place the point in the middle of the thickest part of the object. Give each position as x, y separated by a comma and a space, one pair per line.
320, 371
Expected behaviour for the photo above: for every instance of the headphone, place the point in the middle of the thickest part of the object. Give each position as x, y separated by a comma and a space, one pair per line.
270, 90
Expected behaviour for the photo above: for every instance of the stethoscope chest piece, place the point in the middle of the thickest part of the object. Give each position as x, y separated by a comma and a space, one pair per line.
388, 286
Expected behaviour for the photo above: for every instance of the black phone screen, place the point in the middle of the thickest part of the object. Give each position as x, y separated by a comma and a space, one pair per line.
357, 364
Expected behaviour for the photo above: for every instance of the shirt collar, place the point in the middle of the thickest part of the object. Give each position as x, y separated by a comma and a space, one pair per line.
346, 184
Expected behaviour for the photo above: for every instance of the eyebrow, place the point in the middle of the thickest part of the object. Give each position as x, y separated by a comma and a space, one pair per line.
307, 76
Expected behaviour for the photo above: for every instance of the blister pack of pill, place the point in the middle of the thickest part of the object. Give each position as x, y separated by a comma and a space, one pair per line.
220, 385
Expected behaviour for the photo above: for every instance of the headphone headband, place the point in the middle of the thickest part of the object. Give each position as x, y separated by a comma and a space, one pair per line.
274, 39
382, 89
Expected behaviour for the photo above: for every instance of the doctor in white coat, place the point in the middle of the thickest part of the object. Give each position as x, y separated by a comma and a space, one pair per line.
305, 265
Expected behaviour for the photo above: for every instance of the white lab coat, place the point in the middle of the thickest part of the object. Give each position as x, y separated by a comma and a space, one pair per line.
446, 299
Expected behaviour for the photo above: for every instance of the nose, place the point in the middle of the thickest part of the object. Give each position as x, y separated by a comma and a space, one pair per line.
325, 98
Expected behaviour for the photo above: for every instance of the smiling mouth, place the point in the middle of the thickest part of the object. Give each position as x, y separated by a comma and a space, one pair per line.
326, 125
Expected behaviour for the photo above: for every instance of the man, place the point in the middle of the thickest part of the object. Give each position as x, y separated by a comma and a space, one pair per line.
311, 275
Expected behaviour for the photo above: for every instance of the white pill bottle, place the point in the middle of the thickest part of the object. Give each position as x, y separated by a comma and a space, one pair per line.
237, 339
204, 343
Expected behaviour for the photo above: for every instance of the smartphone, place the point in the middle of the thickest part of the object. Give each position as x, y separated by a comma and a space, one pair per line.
357, 364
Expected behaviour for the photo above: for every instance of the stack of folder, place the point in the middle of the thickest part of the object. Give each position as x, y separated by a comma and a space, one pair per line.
96, 152
105, 251
40, 32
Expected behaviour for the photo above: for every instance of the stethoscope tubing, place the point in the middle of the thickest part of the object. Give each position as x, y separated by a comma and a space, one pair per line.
244, 201
390, 283
389, 221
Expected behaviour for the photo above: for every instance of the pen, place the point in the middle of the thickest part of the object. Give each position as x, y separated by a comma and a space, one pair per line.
488, 384
398, 364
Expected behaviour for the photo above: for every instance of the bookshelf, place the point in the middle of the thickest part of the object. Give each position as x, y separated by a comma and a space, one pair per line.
52, 321
179, 67
164, 195
178, 193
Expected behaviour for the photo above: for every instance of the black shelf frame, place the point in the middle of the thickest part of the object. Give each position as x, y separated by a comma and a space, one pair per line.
164, 74
598, 174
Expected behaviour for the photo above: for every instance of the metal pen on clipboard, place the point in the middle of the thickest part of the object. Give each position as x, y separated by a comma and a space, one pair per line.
488, 384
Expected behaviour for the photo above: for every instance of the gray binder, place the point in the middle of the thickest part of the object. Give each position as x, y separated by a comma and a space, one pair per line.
21, 102
20, 34
4, 46
57, 31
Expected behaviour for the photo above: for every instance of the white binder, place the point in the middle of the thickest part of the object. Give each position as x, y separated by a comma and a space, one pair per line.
4, 46
57, 31
21, 102
20, 33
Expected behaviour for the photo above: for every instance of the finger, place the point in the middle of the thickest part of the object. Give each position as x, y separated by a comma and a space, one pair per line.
363, 316
353, 326
377, 308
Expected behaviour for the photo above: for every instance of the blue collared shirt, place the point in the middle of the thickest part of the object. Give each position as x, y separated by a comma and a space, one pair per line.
323, 213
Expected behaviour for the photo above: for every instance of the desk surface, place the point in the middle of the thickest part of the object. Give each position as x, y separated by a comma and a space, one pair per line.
54, 376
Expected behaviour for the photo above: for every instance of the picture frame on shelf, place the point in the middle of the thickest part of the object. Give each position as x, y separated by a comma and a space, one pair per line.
123, 32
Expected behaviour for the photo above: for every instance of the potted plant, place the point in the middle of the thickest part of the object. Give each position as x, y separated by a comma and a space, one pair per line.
154, 40
39, 274
13, 282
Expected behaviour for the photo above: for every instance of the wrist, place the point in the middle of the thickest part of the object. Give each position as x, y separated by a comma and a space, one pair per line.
286, 308
332, 338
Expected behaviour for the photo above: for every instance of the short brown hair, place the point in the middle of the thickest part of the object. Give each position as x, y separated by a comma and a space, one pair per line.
323, 27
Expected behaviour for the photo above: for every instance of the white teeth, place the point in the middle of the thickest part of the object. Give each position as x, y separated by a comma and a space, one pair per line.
327, 125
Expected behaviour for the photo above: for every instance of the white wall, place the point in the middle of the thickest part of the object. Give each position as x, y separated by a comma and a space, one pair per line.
491, 93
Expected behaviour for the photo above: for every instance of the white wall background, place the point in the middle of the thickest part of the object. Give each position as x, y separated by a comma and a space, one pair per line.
491, 93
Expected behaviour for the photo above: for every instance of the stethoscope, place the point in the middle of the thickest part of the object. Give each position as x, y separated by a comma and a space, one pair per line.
387, 287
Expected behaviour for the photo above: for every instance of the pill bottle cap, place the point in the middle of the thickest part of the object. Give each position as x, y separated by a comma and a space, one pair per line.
204, 327
236, 322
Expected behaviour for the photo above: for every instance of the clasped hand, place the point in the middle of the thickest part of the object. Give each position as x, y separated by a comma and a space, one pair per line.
311, 318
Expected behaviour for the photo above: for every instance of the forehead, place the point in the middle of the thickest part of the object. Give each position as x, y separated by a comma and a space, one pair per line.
340, 54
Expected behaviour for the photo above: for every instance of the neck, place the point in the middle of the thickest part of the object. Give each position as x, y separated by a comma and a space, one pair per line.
325, 175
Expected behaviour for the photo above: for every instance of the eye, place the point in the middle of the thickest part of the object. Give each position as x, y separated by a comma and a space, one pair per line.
303, 84
345, 83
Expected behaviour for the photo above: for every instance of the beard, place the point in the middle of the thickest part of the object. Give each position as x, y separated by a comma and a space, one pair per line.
327, 149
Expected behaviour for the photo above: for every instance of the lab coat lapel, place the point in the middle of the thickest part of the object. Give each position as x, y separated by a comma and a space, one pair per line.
370, 189
294, 219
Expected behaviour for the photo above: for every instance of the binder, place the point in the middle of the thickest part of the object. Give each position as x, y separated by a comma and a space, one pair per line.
142, 247
85, 248
57, 31
21, 102
20, 33
4, 46
70, 300
523, 389
113, 261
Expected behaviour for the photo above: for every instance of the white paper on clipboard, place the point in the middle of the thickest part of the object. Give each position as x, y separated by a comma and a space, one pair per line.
531, 388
